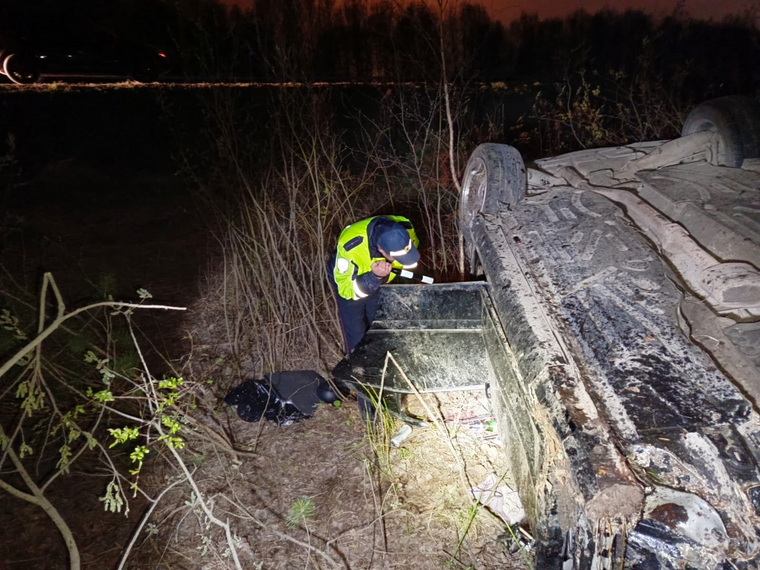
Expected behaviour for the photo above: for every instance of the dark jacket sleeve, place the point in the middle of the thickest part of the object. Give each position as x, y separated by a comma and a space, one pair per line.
368, 282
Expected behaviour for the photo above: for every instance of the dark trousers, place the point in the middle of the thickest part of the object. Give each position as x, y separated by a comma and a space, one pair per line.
355, 316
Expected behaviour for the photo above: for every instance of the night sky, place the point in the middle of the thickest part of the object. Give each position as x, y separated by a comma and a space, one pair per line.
507, 10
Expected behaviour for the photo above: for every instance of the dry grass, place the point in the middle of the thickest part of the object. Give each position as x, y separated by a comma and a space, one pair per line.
374, 507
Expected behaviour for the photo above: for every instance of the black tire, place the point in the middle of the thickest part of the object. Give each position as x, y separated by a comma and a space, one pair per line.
494, 180
736, 120
20, 69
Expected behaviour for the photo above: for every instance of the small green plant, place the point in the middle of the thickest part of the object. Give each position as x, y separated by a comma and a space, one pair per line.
301, 512
151, 529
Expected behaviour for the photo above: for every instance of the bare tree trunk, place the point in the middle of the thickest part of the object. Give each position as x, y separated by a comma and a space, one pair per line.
450, 121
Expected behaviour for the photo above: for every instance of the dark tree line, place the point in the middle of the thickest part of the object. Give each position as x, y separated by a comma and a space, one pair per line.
356, 40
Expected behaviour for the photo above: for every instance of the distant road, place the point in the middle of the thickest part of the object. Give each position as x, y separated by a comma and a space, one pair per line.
109, 81
101, 82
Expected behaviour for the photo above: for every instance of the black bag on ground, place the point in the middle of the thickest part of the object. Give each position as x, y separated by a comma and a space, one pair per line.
281, 397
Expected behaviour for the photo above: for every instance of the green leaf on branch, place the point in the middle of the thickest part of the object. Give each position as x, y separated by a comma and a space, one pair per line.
172, 441
144, 294
23, 389
170, 398
137, 456
63, 462
34, 398
123, 435
171, 423
206, 543
113, 501
11, 323
101, 365
170, 383
104, 396
92, 443
24, 450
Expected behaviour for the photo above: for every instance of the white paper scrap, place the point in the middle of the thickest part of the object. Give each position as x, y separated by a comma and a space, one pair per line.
502, 499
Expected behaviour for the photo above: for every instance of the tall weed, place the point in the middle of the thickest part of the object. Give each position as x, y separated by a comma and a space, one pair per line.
281, 199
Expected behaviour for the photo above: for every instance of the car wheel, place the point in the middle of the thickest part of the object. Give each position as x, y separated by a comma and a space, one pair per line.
20, 69
494, 179
736, 120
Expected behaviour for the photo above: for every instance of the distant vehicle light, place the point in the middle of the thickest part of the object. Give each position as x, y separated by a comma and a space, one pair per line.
161, 54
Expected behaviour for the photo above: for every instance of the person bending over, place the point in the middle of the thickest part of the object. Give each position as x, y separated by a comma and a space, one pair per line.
367, 251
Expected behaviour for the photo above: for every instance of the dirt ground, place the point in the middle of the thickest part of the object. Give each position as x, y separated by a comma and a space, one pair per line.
325, 492
370, 505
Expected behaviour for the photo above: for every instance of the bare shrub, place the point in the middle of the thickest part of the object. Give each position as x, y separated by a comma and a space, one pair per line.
413, 152
277, 217
280, 201
592, 109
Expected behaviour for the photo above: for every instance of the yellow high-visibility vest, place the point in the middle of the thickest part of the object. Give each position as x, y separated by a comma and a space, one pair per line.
353, 257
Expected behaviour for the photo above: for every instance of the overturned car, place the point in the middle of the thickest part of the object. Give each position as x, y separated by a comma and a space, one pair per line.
618, 329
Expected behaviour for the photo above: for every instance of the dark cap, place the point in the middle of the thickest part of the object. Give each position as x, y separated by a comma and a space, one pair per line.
396, 242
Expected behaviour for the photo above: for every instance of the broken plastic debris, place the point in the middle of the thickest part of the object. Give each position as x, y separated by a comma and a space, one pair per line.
500, 499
